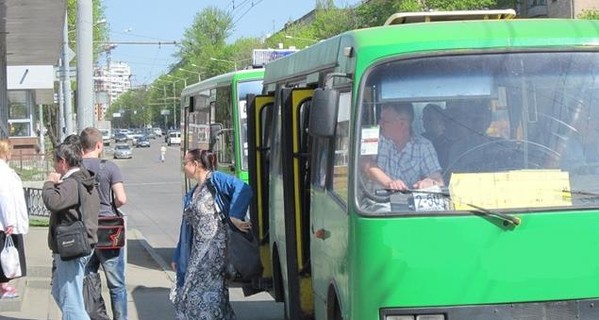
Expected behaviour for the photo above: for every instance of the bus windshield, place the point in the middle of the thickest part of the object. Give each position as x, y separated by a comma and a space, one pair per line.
501, 131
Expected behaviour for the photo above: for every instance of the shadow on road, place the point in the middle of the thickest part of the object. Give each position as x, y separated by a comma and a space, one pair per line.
152, 302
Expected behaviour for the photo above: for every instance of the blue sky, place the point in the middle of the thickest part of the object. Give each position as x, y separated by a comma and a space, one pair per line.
156, 21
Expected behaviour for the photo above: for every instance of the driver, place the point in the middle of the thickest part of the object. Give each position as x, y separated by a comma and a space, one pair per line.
404, 160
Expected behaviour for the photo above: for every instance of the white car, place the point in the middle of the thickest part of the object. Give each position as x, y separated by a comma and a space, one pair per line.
174, 138
123, 151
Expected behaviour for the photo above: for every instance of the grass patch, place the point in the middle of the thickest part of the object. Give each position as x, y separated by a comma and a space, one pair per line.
39, 222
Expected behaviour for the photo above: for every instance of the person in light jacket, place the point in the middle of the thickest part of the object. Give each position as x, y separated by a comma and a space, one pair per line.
14, 219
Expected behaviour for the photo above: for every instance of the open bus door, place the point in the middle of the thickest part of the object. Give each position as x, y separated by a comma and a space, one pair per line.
296, 183
259, 112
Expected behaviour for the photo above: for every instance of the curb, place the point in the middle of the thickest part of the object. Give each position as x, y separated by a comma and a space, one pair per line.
163, 264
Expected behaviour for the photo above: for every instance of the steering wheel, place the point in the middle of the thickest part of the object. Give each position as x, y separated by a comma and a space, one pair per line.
378, 196
501, 155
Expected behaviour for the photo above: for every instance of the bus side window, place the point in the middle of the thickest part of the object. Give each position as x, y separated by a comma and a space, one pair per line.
341, 147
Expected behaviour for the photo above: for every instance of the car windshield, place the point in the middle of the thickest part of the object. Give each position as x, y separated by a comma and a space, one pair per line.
498, 131
122, 147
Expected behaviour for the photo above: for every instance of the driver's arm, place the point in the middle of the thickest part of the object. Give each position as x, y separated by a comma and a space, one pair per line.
378, 175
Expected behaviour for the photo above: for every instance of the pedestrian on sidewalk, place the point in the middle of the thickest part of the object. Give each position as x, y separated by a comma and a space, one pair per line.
110, 188
162, 153
14, 219
69, 195
200, 258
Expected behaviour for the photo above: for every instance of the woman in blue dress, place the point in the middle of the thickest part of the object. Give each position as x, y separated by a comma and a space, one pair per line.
201, 255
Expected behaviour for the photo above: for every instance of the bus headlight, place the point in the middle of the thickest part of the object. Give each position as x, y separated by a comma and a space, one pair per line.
431, 317
399, 318
416, 317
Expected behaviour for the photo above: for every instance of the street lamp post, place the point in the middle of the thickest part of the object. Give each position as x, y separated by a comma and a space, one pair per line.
174, 94
223, 60
198, 73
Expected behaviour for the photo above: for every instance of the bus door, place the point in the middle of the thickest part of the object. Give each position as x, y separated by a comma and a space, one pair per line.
296, 183
259, 117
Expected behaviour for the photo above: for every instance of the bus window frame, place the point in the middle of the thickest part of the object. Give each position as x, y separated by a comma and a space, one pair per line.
359, 117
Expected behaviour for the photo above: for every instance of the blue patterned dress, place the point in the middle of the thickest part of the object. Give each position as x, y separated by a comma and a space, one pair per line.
204, 295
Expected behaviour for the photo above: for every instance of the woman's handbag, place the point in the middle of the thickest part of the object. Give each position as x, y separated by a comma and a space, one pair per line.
244, 255
9, 257
71, 239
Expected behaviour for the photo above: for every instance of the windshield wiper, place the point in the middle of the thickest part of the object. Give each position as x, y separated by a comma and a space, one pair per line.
581, 193
513, 220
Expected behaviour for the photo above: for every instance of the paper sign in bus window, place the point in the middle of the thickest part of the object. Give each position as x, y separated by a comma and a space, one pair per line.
370, 141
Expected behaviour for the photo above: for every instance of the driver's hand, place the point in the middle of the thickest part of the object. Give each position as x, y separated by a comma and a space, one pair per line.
397, 185
425, 183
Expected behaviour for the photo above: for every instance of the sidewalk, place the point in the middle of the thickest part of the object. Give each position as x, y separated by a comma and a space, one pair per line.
148, 285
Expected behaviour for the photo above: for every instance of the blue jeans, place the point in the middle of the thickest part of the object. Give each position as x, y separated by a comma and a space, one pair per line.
113, 263
67, 287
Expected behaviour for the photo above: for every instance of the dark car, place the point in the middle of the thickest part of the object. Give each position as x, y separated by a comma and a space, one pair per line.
120, 137
142, 142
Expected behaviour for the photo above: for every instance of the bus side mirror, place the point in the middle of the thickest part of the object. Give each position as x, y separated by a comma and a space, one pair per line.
323, 113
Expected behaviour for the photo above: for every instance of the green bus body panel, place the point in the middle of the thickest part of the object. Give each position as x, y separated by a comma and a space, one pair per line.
466, 260
455, 260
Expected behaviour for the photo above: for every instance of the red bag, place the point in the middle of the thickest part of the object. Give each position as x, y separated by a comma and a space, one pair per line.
111, 232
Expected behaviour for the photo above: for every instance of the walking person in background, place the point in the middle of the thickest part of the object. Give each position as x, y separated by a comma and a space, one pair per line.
14, 219
162, 153
200, 258
64, 193
110, 182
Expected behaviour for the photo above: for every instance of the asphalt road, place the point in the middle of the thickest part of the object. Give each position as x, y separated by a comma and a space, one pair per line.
154, 191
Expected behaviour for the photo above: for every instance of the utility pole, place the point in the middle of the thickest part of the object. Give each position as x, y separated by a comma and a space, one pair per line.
85, 82
67, 116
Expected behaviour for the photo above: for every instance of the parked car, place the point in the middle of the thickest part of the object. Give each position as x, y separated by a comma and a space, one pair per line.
174, 138
123, 151
142, 142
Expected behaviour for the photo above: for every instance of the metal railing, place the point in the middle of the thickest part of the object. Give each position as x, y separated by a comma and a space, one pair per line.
35, 203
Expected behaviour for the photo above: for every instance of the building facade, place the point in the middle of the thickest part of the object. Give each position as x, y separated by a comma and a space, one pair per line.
110, 81
556, 8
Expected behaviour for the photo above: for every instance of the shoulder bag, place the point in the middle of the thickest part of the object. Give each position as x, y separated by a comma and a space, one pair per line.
244, 249
71, 239
111, 229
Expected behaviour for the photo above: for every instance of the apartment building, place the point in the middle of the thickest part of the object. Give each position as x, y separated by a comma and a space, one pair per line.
110, 81
556, 8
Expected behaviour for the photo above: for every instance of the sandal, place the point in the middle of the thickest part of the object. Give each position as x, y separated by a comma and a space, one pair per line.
8, 291
9, 295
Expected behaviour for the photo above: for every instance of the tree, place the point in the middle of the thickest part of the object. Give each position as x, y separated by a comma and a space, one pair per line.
591, 14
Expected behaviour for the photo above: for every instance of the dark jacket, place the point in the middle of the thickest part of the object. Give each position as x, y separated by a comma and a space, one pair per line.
232, 196
62, 200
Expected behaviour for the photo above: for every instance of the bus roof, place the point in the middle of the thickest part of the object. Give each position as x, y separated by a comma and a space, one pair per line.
371, 44
434, 16
224, 80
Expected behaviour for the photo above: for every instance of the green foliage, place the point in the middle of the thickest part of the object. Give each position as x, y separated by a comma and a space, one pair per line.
591, 14
101, 30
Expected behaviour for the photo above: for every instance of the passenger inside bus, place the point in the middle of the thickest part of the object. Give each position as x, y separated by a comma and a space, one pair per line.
580, 154
472, 148
404, 160
433, 121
